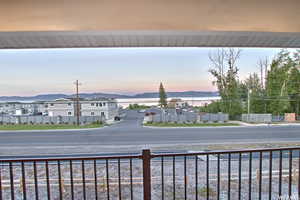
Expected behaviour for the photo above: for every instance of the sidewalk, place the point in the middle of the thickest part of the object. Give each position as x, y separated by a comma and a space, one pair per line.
265, 124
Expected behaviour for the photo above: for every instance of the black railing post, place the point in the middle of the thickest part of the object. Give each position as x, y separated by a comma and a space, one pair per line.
146, 156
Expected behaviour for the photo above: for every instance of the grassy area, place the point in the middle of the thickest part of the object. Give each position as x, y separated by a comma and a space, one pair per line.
190, 125
47, 126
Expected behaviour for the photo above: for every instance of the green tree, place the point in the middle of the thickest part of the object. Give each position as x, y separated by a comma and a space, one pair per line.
213, 107
254, 86
162, 96
283, 84
225, 71
137, 107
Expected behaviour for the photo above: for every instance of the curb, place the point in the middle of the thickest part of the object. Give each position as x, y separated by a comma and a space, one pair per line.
195, 127
51, 130
238, 126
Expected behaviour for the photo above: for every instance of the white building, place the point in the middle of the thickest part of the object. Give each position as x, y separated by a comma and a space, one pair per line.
106, 108
60, 107
22, 108
100, 107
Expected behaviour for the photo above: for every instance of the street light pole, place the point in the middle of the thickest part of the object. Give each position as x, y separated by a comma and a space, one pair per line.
249, 91
248, 101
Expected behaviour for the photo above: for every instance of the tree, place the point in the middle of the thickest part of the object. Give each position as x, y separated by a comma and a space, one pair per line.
162, 96
283, 84
213, 107
254, 86
225, 71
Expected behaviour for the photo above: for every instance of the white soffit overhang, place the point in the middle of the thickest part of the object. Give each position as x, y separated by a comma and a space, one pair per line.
76, 39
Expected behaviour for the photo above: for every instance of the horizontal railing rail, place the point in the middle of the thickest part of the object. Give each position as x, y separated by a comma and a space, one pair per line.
269, 173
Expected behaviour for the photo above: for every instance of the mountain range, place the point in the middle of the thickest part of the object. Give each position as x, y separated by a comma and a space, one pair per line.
49, 97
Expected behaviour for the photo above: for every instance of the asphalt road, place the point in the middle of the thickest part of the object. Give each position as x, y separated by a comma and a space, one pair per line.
131, 133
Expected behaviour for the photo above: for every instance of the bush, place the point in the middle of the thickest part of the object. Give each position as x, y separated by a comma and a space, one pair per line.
137, 107
203, 191
97, 122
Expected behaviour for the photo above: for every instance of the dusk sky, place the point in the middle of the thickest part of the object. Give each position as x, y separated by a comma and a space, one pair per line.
114, 70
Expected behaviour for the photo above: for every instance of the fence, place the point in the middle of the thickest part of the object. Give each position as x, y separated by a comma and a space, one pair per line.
257, 118
49, 119
239, 174
188, 117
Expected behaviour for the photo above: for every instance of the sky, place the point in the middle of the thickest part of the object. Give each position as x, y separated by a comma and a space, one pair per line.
30, 72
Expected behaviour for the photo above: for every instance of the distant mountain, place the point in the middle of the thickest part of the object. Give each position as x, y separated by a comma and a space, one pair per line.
178, 94
49, 97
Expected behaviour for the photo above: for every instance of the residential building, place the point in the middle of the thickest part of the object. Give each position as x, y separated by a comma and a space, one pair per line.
177, 103
106, 108
20, 108
60, 107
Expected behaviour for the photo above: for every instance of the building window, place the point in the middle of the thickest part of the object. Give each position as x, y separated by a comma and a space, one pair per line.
100, 104
69, 104
97, 104
92, 104
51, 104
92, 113
69, 113
102, 114
103, 104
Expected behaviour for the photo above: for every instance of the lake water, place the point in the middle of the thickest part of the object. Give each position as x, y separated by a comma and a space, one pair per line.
194, 101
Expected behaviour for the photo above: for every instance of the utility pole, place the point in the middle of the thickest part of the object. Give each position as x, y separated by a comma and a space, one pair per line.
77, 102
261, 76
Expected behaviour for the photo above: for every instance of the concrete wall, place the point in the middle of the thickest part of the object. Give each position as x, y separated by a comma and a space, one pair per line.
49, 119
187, 117
214, 117
257, 118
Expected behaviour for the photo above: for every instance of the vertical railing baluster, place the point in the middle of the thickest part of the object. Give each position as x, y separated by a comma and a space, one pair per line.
107, 179
12, 187
131, 183
71, 179
290, 172
240, 175
1, 180
185, 179
59, 180
174, 189
196, 176
162, 179
47, 180
298, 173
83, 179
218, 178
36, 187
119, 179
270, 175
229, 176
250, 176
280, 174
95, 179
23, 181
260, 175
146, 157
207, 177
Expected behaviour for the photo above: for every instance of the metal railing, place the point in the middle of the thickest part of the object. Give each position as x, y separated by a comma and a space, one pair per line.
239, 174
